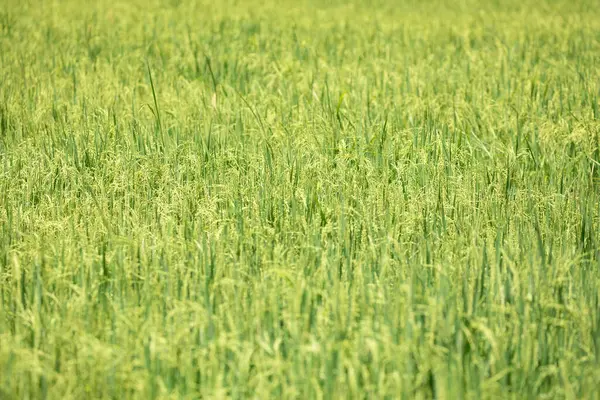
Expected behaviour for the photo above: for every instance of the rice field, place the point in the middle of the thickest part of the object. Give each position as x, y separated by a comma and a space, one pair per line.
299, 199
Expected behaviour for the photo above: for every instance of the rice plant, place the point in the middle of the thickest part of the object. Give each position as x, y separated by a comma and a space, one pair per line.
299, 199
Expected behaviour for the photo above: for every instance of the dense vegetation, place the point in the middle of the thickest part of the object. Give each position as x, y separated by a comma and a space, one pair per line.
299, 199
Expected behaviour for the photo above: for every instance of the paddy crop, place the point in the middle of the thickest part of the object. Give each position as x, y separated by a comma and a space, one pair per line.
313, 199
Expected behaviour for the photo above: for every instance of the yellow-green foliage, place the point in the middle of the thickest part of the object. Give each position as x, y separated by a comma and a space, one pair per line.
299, 199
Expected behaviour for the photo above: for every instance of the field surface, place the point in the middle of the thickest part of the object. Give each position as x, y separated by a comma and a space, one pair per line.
299, 199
